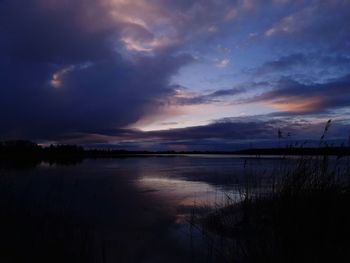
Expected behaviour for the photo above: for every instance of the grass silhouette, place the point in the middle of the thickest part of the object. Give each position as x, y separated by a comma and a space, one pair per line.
302, 216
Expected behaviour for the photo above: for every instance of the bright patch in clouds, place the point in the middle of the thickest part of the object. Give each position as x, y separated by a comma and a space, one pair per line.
223, 63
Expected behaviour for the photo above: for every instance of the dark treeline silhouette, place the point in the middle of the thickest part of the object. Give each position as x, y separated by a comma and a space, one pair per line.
25, 148
24, 154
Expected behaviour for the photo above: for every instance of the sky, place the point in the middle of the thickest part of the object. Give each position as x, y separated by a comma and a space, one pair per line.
174, 75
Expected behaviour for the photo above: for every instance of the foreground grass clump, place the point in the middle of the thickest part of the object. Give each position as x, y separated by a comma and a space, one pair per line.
303, 217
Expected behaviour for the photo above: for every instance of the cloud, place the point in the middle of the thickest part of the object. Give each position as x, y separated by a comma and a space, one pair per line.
292, 96
55, 32
185, 98
281, 64
222, 63
88, 65
312, 63
226, 134
91, 66
232, 14
64, 69
315, 23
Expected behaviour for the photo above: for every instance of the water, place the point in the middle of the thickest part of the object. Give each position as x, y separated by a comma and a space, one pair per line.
117, 210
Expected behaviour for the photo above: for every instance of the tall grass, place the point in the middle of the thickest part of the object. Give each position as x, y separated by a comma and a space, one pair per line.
302, 216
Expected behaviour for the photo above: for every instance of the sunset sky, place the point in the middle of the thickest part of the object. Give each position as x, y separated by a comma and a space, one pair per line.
174, 74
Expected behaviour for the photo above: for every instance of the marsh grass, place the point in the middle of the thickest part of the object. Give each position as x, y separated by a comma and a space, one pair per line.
301, 215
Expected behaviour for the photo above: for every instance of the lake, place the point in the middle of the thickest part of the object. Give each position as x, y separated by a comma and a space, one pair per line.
118, 210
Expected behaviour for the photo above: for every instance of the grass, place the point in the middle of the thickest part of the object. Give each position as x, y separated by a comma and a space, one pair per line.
302, 216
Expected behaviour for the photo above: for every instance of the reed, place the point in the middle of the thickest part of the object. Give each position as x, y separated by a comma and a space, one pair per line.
302, 216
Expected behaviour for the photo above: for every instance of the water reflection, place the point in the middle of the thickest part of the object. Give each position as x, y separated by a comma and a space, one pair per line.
186, 196
118, 210
181, 191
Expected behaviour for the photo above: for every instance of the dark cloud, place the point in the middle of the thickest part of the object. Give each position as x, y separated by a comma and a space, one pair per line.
110, 93
253, 128
226, 134
281, 64
59, 32
220, 94
208, 98
307, 63
63, 70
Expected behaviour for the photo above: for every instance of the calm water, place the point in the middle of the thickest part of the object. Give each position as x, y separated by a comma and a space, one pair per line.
119, 210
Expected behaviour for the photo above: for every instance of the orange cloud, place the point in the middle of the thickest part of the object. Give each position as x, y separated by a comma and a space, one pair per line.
56, 80
296, 104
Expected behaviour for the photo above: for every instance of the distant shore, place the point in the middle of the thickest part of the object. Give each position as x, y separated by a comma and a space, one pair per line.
23, 148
